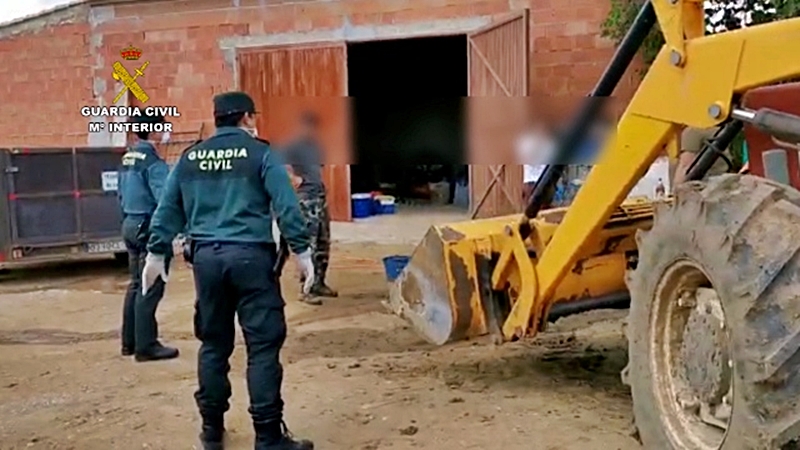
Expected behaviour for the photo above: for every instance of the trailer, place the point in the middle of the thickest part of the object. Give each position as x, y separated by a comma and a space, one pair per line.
59, 204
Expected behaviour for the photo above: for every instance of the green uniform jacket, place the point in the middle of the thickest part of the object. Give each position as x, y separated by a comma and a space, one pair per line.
223, 190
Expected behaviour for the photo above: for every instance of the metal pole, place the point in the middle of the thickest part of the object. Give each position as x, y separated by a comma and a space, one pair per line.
567, 147
708, 156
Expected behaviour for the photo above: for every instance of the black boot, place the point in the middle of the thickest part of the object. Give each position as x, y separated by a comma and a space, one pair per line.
275, 436
323, 290
157, 352
212, 434
310, 299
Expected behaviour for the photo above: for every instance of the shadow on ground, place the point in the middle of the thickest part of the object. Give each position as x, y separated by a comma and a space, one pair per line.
353, 343
46, 336
61, 275
557, 361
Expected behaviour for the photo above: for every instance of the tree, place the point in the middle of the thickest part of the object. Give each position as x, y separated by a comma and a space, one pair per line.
721, 16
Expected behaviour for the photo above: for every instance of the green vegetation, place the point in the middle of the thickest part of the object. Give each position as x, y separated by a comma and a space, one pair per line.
721, 16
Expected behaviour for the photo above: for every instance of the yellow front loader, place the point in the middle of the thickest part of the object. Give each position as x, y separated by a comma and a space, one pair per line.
712, 276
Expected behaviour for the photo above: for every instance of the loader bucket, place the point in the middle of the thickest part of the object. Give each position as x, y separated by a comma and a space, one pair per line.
419, 294
437, 292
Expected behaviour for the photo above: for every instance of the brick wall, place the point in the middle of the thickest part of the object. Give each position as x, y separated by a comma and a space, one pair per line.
46, 74
55, 70
569, 52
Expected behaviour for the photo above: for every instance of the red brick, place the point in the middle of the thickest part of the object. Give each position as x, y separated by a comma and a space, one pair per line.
185, 34
373, 6
176, 34
562, 71
578, 28
542, 5
542, 44
416, 15
585, 42
487, 8
562, 43
555, 29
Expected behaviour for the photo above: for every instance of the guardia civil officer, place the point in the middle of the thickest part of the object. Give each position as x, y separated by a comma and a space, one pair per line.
141, 181
222, 191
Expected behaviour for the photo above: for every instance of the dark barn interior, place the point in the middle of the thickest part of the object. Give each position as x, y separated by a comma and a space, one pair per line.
408, 116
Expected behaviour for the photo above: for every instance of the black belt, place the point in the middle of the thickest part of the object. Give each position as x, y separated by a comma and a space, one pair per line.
219, 244
137, 216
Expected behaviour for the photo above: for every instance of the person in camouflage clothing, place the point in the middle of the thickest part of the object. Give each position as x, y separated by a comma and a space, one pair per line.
304, 159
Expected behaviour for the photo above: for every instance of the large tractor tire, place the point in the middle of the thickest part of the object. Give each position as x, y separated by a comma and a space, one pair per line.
714, 326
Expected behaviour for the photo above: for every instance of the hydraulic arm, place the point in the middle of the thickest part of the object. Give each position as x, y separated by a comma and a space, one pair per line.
503, 275
694, 81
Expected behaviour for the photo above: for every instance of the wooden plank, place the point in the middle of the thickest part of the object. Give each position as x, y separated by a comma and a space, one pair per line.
287, 80
499, 81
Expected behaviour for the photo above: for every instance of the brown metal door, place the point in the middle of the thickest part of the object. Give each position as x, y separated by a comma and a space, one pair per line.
284, 81
497, 113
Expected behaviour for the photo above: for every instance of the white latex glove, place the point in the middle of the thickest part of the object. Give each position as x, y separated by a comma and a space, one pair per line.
154, 266
306, 268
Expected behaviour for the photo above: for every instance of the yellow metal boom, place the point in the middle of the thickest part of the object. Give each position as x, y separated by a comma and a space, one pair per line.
692, 82
710, 277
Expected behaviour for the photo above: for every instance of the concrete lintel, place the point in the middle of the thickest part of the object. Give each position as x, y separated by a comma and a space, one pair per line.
101, 14
229, 54
360, 33
102, 139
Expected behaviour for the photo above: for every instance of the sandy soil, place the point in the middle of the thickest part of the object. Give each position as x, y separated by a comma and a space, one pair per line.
355, 378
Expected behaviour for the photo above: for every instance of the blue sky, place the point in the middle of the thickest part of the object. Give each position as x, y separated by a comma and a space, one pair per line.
11, 10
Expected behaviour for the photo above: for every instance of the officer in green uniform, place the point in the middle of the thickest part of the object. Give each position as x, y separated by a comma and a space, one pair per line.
222, 192
141, 182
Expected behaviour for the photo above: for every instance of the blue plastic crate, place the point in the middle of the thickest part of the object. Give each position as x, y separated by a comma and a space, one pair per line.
394, 265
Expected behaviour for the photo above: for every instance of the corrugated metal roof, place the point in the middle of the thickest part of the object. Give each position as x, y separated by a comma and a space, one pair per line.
67, 6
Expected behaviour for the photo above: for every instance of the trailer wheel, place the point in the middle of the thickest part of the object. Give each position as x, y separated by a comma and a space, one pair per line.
714, 326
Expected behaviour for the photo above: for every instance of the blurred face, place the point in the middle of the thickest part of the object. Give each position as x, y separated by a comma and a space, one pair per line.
540, 128
307, 129
308, 126
153, 137
249, 124
249, 121
160, 137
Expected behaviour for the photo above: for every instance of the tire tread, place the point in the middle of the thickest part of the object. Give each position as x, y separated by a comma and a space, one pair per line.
748, 230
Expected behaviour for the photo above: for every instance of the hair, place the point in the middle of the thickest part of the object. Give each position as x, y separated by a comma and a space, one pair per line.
229, 120
144, 135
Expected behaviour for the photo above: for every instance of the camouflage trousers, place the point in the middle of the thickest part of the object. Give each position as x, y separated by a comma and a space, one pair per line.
318, 221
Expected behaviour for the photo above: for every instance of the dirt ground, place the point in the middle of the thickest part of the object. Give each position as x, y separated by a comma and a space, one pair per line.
355, 377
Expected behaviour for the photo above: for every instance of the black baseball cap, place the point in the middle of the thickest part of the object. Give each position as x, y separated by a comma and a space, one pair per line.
233, 103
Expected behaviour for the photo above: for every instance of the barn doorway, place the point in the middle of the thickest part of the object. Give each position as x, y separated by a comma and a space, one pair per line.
409, 120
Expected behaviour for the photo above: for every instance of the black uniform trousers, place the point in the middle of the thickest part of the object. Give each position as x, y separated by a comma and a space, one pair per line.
234, 279
139, 326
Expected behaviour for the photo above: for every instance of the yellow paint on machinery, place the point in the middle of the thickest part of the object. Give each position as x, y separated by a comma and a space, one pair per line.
692, 82
440, 291
713, 332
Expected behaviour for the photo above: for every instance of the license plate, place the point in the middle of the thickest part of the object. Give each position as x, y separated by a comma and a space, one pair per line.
106, 247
